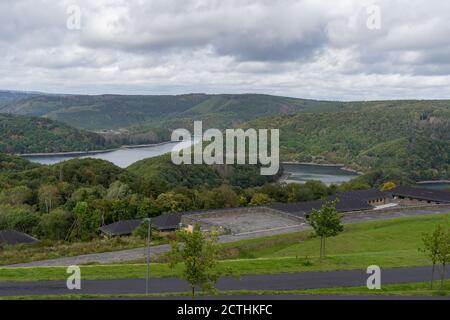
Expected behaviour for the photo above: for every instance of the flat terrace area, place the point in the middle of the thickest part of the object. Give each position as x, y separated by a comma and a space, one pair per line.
249, 222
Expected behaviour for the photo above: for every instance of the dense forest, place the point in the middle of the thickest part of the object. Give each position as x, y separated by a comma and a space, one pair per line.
412, 140
70, 200
23, 134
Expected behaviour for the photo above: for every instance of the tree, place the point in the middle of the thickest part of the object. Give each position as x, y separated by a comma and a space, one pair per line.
173, 202
20, 218
431, 242
86, 222
326, 222
56, 224
199, 255
117, 191
260, 199
16, 196
444, 251
388, 186
48, 197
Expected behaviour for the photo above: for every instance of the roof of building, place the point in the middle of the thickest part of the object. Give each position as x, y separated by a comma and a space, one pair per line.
421, 194
168, 221
171, 221
120, 228
365, 195
304, 207
12, 237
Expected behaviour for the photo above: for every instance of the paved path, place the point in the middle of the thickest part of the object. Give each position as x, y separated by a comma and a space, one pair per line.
139, 253
286, 281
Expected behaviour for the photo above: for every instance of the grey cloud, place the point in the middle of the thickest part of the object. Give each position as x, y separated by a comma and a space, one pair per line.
314, 49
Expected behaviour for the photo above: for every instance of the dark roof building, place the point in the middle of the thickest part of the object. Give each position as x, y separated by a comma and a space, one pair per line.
423, 194
303, 208
169, 221
368, 195
121, 228
12, 237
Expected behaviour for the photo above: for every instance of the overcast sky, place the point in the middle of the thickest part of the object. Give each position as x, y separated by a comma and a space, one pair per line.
323, 49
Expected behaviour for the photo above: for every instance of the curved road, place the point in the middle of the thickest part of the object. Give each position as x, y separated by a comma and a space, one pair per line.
285, 281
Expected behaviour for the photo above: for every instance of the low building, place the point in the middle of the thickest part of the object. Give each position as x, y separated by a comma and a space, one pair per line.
12, 237
410, 196
169, 221
373, 197
121, 228
304, 208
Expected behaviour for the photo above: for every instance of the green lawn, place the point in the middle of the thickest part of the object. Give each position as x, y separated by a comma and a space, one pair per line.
388, 243
44, 250
390, 237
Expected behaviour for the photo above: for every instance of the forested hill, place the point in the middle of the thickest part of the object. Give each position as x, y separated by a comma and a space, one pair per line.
405, 139
7, 97
23, 134
150, 112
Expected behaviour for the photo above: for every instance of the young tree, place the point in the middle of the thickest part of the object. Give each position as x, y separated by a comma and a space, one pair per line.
199, 255
444, 251
48, 197
260, 199
388, 186
431, 242
326, 222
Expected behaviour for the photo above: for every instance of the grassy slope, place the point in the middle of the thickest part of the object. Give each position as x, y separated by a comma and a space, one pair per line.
389, 243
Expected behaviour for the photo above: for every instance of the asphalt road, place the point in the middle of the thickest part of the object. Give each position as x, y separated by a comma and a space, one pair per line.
139, 253
286, 281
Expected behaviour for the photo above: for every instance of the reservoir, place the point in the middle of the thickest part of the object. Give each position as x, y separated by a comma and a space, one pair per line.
124, 157
300, 173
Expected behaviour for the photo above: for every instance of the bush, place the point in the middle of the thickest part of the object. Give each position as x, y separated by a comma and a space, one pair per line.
56, 224
20, 218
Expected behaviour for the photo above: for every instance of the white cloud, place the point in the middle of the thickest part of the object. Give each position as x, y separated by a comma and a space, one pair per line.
304, 48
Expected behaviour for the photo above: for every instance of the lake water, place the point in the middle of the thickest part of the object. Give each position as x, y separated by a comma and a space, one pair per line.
435, 186
300, 173
123, 157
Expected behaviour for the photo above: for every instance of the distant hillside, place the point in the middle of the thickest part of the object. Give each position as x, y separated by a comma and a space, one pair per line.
7, 97
22, 134
412, 138
145, 113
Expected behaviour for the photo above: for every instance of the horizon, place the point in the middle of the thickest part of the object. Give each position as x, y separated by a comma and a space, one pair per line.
345, 51
58, 93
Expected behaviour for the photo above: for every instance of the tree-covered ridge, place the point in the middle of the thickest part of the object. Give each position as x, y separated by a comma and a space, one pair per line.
9, 96
12, 163
72, 199
162, 169
413, 139
23, 134
145, 113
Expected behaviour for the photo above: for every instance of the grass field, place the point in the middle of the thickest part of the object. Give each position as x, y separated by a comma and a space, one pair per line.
388, 243
44, 250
